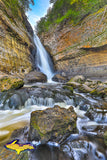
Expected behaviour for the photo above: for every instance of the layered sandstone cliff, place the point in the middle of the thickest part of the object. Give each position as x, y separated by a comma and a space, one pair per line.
80, 49
16, 43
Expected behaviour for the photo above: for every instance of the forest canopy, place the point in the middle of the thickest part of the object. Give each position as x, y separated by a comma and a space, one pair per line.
16, 5
68, 11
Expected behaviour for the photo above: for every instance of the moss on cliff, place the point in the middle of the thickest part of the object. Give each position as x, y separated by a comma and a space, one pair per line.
16, 39
7, 83
68, 11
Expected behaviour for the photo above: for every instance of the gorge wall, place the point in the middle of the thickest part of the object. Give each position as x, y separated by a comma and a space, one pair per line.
16, 42
81, 48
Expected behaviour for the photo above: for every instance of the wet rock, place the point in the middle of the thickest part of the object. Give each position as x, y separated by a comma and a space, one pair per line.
100, 90
105, 138
59, 78
35, 76
53, 124
98, 113
84, 88
21, 134
46, 152
13, 99
74, 84
55, 91
68, 88
78, 78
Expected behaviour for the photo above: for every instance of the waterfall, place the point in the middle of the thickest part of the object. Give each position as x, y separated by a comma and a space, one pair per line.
43, 61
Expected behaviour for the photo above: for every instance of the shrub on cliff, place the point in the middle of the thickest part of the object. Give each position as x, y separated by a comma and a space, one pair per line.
68, 11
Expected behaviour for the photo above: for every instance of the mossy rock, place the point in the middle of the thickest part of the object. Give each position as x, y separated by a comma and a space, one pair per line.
52, 124
7, 83
94, 92
17, 84
78, 78
69, 88
102, 93
73, 84
105, 138
85, 89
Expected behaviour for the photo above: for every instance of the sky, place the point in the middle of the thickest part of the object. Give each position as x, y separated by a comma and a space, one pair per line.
37, 11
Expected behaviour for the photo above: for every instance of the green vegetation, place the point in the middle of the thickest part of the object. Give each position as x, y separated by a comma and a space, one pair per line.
68, 11
18, 5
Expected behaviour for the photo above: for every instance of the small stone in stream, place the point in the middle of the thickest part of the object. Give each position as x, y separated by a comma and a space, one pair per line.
53, 124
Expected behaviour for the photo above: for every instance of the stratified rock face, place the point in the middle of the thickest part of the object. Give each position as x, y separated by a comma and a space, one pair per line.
16, 42
52, 124
80, 49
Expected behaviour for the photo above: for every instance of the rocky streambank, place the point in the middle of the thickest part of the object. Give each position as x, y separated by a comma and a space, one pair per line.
64, 114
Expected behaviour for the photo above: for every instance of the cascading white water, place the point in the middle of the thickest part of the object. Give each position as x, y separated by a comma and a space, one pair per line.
43, 61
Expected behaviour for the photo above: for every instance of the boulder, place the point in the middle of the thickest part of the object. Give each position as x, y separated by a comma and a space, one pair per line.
98, 113
84, 88
78, 78
100, 90
59, 78
35, 76
53, 124
73, 84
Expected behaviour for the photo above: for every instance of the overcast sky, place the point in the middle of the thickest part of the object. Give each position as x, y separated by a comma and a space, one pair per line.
37, 11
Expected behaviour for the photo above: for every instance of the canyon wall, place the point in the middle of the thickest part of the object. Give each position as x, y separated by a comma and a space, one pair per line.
16, 43
81, 48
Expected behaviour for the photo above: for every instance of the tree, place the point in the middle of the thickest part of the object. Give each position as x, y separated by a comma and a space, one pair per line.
52, 1
25, 4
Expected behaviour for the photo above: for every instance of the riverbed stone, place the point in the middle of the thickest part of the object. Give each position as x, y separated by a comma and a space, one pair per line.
35, 76
53, 124
84, 88
100, 90
78, 78
73, 84
59, 78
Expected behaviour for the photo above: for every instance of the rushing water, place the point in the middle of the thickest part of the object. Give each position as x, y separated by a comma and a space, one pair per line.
86, 144
43, 60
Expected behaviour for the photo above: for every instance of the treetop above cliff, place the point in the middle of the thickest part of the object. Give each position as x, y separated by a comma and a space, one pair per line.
68, 12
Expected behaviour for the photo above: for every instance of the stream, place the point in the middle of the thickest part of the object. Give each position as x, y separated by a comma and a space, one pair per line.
86, 144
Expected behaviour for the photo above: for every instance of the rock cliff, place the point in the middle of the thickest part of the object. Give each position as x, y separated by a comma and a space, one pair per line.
81, 48
16, 43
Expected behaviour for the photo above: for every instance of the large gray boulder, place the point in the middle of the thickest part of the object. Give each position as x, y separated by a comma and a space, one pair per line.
35, 76
53, 124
